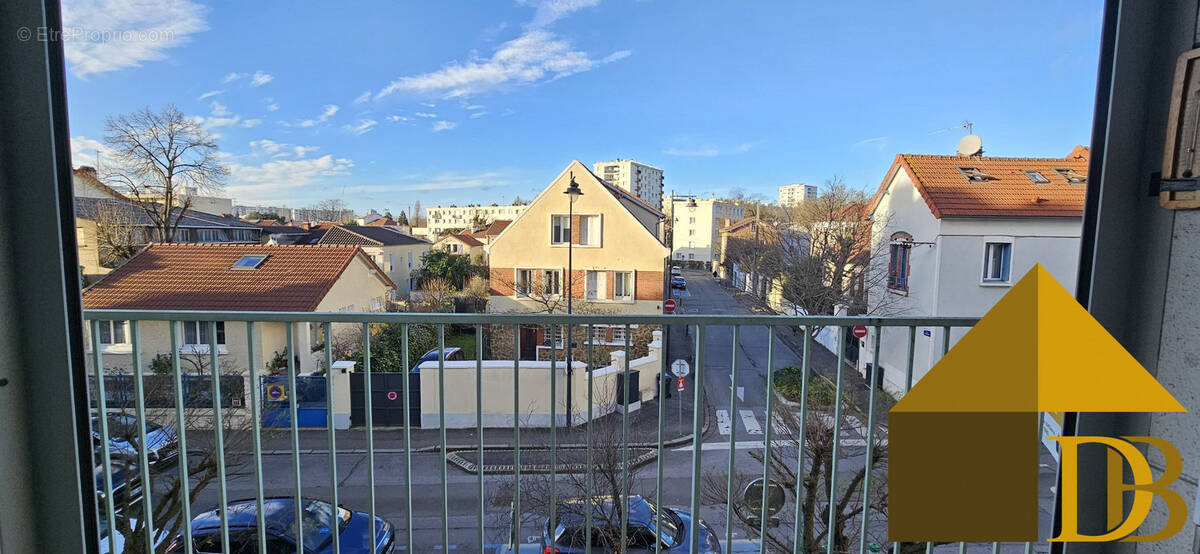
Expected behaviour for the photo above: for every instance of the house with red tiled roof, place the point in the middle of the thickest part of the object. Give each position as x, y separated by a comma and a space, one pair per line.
462, 243
958, 232
233, 277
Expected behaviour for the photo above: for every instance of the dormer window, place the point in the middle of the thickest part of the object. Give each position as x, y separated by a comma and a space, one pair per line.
249, 262
1071, 176
974, 174
1037, 177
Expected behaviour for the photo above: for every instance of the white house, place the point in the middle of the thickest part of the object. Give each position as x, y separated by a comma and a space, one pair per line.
960, 230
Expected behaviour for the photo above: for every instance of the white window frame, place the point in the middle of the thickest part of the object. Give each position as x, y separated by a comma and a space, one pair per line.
1005, 277
632, 284
555, 226
593, 226
518, 290
601, 290
200, 348
122, 347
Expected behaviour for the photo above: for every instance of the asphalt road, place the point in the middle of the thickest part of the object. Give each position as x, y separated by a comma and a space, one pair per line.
734, 430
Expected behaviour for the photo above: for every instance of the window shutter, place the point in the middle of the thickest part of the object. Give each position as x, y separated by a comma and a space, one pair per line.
575, 229
1005, 262
609, 284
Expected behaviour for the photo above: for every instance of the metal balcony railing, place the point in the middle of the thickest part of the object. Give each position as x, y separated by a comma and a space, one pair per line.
597, 428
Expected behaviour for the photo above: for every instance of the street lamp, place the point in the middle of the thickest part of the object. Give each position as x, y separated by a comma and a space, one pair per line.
573, 191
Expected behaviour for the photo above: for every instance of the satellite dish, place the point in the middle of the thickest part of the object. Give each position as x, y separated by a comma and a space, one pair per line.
970, 145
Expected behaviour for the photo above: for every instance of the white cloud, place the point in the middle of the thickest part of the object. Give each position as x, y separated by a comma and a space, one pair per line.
84, 150
364, 126
108, 35
265, 182
363, 97
209, 94
272, 107
397, 118
442, 182
618, 55
267, 146
535, 56
218, 109
302, 151
329, 111
259, 78
251, 123
216, 122
474, 107
879, 142
233, 77
426, 115
477, 115
427, 104
439, 126
549, 11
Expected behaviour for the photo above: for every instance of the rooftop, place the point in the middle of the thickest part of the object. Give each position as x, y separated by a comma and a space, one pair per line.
199, 277
363, 235
981, 186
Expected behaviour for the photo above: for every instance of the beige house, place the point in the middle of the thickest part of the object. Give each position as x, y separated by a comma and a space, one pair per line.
232, 277
617, 261
397, 253
462, 244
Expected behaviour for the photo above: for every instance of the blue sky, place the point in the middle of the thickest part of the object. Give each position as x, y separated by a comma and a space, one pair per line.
385, 103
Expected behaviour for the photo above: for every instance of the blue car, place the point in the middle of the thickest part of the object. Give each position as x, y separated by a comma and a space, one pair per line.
162, 441
453, 353
570, 536
353, 528
678, 282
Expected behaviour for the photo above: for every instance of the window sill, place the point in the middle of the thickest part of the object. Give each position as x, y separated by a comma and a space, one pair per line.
898, 292
995, 283
202, 349
114, 349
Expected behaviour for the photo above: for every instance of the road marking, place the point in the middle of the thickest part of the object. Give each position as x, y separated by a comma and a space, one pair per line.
741, 391
758, 445
750, 422
723, 423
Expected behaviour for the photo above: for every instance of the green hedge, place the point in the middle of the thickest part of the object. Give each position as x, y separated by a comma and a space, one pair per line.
821, 391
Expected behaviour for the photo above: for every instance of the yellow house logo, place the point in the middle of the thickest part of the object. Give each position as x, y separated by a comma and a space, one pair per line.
963, 447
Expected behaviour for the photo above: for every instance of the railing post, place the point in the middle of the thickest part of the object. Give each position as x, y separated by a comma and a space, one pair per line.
255, 435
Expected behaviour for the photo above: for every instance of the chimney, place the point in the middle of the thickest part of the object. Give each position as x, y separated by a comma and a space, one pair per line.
87, 170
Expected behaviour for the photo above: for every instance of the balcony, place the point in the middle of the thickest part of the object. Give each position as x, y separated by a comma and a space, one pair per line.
485, 455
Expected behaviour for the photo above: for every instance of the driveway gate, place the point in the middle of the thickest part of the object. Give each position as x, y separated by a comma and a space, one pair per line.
387, 399
276, 407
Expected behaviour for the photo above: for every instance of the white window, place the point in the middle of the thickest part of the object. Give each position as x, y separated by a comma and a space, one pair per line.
594, 285
997, 257
391, 261
376, 304
589, 230
195, 333
524, 282
691, 256
551, 282
113, 332
560, 229
623, 285
599, 334
618, 335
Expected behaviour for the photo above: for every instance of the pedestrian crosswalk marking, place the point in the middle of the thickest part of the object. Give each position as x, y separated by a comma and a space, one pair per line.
723, 424
750, 422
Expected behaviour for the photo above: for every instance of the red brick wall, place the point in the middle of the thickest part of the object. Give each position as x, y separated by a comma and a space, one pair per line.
649, 285
501, 280
575, 230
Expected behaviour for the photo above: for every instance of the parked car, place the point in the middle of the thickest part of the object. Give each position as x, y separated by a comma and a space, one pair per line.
453, 353
162, 441
353, 528
126, 484
677, 282
570, 535
675, 270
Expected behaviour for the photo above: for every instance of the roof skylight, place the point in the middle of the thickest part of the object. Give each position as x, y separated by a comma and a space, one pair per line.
249, 262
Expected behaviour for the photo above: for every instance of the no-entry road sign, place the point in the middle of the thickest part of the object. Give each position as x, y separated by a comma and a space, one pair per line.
860, 331
680, 383
669, 306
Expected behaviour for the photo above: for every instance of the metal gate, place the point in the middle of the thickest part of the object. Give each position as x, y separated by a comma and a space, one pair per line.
387, 400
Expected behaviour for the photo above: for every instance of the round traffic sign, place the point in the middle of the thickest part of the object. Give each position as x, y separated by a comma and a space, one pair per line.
680, 368
860, 331
669, 305
752, 496
391, 395
275, 392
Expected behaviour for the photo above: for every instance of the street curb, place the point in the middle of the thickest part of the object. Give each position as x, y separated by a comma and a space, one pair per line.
473, 468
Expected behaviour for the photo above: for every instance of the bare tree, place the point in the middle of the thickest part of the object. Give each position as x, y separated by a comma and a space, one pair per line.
169, 491
807, 481
822, 255
546, 291
161, 160
576, 491
118, 235
333, 209
435, 295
